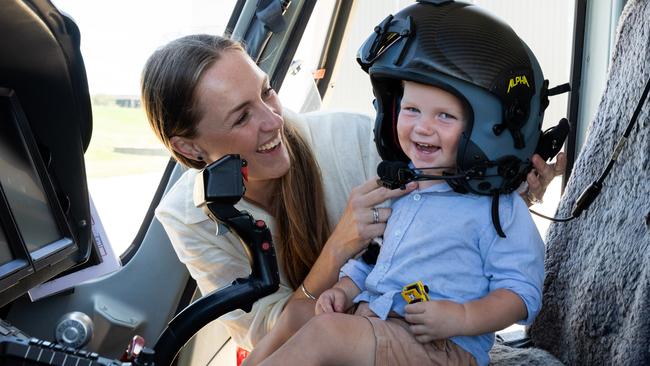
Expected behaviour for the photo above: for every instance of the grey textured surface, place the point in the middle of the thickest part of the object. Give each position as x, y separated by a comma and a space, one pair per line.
506, 356
597, 290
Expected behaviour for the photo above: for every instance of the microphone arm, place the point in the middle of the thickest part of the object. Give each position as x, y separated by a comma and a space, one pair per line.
397, 174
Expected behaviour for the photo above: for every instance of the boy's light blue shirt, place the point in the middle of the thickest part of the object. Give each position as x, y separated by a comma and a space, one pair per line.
446, 240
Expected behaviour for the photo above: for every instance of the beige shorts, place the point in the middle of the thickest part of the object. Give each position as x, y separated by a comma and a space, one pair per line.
396, 346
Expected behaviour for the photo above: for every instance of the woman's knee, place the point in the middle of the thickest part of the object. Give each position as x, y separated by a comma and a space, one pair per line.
334, 338
331, 325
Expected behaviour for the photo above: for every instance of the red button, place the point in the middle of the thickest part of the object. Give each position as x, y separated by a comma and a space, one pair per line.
266, 245
244, 173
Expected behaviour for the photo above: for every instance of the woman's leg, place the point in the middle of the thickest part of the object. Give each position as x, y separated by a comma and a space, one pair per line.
329, 339
293, 317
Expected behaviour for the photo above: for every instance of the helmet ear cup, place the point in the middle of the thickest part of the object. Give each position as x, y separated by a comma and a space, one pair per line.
396, 106
388, 104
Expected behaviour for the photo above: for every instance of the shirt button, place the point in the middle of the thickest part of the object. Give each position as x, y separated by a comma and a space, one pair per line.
398, 233
416, 197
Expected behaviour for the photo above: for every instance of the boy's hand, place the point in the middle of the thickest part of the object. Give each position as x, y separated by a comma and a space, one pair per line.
431, 320
333, 300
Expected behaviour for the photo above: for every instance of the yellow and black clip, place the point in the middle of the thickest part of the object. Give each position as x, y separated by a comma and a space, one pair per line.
415, 292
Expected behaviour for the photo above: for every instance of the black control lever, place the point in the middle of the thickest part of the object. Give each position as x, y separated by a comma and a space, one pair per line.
218, 187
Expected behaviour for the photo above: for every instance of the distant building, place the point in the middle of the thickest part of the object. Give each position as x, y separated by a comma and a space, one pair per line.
128, 101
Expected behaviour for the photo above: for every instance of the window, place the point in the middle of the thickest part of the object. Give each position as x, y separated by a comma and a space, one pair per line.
298, 91
125, 161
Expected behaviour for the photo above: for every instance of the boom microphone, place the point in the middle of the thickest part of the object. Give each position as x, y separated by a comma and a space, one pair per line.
394, 174
397, 174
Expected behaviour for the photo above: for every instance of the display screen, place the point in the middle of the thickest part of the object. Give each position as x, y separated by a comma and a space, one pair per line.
22, 186
5, 250
36, 242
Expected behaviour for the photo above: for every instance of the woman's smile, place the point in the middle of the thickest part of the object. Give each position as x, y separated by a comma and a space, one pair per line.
272, 145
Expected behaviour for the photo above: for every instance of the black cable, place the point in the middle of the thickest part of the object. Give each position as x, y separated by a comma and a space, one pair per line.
628, 130
588, 196
555, 219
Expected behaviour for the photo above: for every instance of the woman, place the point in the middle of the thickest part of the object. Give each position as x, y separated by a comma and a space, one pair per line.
205, 98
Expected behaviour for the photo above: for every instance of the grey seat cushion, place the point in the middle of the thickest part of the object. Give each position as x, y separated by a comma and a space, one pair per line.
506, 356
596, 294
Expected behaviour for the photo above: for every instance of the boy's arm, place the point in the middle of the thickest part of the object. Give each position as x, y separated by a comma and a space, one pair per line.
352, 279
349, 287
443, 319
497, 310
339, 298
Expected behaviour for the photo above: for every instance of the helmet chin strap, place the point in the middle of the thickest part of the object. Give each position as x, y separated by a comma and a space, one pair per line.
495, 215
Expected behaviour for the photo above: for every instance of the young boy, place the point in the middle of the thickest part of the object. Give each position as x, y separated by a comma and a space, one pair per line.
458, 95
478, 282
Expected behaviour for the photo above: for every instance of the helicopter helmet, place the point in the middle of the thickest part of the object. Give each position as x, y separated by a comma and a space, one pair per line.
463, 50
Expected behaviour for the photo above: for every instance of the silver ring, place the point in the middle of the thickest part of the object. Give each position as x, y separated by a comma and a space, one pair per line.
375, 215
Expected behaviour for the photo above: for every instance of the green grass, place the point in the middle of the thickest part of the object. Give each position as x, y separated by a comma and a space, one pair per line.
127, 129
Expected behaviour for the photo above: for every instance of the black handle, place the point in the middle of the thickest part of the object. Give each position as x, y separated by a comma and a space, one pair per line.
218, 188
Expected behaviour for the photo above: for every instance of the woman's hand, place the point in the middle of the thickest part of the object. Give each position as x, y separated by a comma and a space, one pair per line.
362, 221
431, 320
333, 300
541, 176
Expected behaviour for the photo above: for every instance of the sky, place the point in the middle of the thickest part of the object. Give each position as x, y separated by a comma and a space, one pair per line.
117, 36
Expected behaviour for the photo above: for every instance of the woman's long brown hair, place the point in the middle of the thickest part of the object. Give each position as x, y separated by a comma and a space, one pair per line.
169, 81
300, 211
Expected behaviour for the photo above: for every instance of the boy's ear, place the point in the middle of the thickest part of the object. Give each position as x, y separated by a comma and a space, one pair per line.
186, 147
